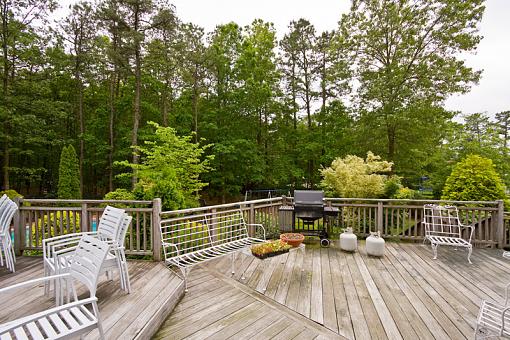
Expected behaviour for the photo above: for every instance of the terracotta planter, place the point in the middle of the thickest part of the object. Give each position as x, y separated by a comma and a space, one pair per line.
292, 239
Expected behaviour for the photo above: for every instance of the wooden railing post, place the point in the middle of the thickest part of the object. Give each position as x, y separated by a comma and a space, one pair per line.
380, 210
17, 225
84, 218
251, 219
500, 224
156, 231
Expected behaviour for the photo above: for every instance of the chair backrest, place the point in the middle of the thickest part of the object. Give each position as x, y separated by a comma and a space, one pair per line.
124, 226
87, 261
2, 200
6, 216
110, 222
441, 220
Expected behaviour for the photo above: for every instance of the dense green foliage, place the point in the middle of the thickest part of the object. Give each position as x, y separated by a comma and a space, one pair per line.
355, 177
474, 179
274, 111
68, 174
171, 169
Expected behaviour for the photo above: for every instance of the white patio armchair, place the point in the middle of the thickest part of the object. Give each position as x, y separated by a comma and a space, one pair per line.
112, 229
493, 319
7, 210
72, 318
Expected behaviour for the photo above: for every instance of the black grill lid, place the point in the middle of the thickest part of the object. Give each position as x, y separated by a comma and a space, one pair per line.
308, 197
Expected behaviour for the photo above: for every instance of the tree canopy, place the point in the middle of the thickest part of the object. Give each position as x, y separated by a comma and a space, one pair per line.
262, 112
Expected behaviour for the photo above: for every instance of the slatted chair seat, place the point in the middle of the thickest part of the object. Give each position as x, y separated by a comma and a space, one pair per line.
70, 319
57, 322
444, 228
194, 239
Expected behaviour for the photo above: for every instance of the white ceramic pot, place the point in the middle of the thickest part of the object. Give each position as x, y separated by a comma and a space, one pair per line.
375, 245
348, 240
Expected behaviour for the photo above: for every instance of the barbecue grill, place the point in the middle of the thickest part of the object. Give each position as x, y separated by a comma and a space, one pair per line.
309, 207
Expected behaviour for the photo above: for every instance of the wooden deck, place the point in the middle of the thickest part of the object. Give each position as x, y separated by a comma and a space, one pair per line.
405, 295
154, 292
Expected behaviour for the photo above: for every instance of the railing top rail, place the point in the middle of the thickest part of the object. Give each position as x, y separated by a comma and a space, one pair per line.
41, 200
221, 206
409, 200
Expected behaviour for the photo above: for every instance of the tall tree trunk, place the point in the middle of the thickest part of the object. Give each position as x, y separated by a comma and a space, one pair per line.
138, 85
195, 103
5, 93
81, 121
111, 136
165, 105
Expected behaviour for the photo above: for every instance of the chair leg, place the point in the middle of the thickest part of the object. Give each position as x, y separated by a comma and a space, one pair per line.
233, 258
99, 324
434, 250
470, 251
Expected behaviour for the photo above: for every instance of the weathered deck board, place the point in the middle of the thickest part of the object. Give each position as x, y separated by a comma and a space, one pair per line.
405, 294
155, 291
237, 312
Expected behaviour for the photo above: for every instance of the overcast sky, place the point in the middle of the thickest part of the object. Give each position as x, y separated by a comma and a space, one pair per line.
491, 95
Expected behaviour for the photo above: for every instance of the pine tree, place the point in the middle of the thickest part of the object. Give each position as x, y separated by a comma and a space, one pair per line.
69, 174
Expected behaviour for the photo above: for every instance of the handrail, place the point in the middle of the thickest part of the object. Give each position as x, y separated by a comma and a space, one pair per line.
220, 206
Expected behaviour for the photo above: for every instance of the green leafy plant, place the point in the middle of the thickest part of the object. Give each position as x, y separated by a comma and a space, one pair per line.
353, 176
270, 247
474, 179
170, 169
68, 174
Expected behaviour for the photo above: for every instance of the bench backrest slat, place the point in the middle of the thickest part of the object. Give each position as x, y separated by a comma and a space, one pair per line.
196, 232
441, 221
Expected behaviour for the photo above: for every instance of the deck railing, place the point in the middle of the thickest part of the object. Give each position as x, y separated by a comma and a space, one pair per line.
398, 219
38, 219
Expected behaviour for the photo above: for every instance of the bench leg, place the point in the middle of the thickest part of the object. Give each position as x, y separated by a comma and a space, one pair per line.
434, 250
184, 272
470, 251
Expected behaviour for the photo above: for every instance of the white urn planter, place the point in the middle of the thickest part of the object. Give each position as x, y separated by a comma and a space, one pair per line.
348, 240
375, 244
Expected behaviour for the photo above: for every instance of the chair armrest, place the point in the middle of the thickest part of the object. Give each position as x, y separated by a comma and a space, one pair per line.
31, 282
10, 325
258, 225
472, 227
503, 319
61, 240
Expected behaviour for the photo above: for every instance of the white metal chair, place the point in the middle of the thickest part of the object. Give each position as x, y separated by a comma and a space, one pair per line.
7, 210
112, 229
72, 318
493, 319
443, 227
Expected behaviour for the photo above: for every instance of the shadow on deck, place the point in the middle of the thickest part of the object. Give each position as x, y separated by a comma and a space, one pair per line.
154, 293
328, 293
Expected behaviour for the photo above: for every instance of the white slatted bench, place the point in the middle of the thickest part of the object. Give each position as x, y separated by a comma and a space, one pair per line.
194, 239
443, 227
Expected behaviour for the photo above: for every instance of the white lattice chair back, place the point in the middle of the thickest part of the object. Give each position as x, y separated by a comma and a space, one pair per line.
442, 220
87, 261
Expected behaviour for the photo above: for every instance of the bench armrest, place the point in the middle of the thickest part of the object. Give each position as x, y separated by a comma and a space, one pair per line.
258, 225
503, 319
168, 244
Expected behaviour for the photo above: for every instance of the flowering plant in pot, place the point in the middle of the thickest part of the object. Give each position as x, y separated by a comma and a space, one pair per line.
269, 249
292, 239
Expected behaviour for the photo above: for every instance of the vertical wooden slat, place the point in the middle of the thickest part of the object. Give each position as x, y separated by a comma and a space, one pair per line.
137, 231
145, 216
